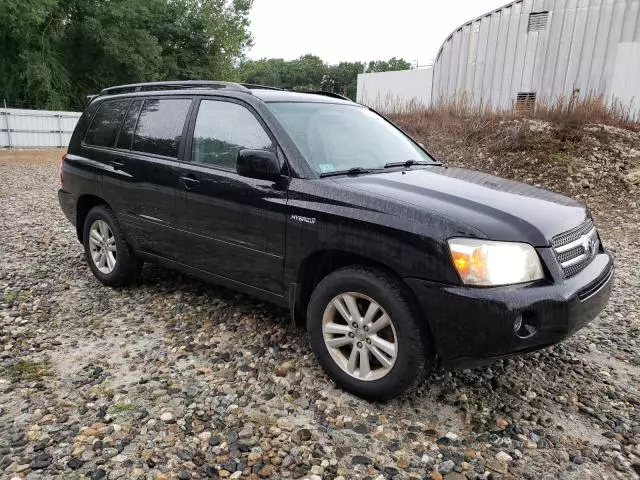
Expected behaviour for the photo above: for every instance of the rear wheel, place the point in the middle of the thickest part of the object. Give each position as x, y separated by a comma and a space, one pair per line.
365, 333
110, 258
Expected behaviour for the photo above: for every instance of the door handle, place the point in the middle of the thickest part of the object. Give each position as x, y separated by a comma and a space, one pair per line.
116, 165
189, 182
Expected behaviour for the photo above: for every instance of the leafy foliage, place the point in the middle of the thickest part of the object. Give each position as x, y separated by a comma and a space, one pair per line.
55, 52
310, 73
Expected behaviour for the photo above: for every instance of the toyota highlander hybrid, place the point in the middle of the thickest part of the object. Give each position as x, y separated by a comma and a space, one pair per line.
395, 262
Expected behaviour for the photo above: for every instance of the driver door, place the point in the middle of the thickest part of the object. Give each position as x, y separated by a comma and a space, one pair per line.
233, 226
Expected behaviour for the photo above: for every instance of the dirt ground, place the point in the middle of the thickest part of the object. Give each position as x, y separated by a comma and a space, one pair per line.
51, 156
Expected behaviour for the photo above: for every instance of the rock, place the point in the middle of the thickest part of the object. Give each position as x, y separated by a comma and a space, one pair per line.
74, 463
503, 457
284, 368
285, 424
167, 417
40, 461
446, 466
247, 431
361, 460
266, 471
633, 177
502, 423
454, 476
317, 470
302, 435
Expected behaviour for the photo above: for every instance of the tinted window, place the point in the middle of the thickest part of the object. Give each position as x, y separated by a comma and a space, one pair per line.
222, 130
106, 123
129, 124
160, 125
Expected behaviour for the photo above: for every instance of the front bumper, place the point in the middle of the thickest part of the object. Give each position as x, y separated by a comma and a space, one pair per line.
474, 326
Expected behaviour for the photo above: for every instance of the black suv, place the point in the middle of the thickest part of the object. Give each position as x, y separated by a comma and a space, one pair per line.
395, 262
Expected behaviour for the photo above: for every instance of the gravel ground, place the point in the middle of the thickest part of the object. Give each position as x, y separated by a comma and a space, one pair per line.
175, 378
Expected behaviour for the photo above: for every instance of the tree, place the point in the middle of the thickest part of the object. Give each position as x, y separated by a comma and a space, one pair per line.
392, 64
55, 52
309, 73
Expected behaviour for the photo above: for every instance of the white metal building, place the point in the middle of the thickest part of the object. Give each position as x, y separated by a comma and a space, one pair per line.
541, 50
538, 51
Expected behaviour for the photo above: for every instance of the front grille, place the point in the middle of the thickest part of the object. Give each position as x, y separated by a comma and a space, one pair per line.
576, 248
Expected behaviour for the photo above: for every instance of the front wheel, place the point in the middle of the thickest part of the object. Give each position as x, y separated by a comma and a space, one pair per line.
364, 332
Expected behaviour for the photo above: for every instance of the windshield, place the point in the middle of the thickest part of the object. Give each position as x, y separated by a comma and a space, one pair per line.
335, 138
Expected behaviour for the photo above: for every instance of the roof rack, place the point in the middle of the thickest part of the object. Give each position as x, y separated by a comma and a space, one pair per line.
174, 85
331, 94
260, 87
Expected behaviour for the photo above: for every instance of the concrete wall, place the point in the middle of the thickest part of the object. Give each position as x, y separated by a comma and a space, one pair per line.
388, 91
36, 128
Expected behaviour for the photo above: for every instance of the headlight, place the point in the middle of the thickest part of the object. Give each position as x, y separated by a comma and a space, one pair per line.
486, 263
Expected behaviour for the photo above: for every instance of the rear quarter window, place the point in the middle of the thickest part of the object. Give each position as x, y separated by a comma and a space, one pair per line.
160, 125
105, 125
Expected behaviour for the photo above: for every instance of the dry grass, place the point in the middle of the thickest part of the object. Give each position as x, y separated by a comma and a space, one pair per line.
561, 122
50, 156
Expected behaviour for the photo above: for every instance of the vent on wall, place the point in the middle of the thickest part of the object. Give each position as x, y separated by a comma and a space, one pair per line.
525, 102
538, 21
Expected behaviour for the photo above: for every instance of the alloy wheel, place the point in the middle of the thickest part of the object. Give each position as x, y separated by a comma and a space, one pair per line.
102, 244
360, 336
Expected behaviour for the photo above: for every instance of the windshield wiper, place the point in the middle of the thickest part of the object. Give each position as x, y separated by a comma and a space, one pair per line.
410, 163
350, 171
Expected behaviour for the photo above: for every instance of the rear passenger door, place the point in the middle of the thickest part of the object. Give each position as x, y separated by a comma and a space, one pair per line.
142, 178
234, 226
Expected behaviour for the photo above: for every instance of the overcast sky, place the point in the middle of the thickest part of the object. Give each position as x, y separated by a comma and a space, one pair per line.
359, 30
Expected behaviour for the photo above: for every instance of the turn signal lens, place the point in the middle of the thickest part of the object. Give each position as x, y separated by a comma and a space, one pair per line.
487, 263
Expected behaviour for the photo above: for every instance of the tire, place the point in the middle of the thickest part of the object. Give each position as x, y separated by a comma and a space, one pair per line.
118, 270
388, 377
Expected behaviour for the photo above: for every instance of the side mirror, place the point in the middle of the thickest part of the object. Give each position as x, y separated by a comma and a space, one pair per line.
260, 164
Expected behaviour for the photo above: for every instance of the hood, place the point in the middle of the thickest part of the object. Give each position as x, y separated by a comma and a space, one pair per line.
500, 209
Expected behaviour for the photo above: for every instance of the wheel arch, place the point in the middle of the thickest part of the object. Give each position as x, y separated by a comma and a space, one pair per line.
317, 265
84, 205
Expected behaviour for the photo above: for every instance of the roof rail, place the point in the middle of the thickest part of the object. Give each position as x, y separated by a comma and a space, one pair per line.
174, 85
260, 87
331, 94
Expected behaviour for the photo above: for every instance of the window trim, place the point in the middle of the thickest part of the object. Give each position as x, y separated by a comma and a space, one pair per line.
186, 122
188, 152
93, 117
115, 145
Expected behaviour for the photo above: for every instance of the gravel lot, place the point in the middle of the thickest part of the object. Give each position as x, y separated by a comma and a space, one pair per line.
175, 378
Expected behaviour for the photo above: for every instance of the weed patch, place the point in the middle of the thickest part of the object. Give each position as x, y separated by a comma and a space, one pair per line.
30, 370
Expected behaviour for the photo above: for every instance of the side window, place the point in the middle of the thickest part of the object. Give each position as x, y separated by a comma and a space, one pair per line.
160, 124
223, 129
106, 123
126, 132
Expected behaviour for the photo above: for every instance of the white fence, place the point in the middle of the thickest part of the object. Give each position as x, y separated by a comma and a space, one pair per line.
36, 128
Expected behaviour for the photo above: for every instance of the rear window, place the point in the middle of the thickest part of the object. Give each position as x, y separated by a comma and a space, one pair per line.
160, 124
104, 127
